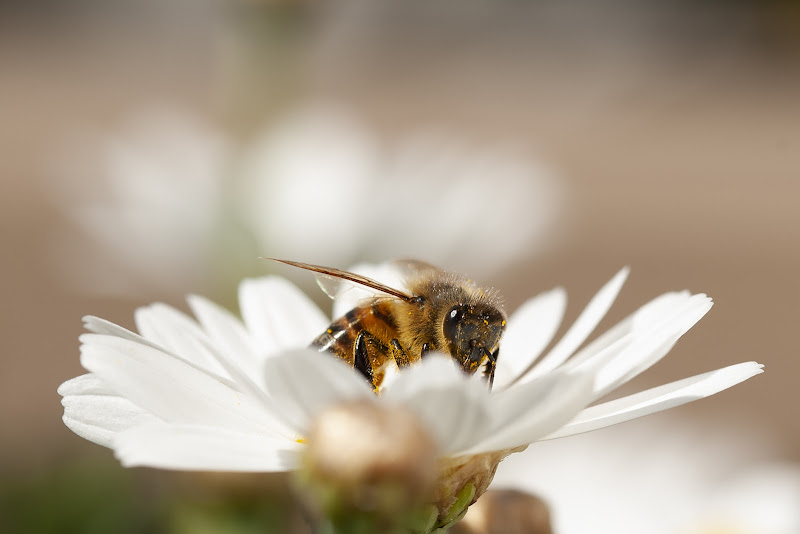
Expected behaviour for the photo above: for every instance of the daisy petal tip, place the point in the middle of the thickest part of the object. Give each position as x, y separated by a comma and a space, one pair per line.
88, 339
95, 325
196, 303
194, 300
558, 295
620, 277
254, 281
746, 368
65, 389
123, 458
559, 292
141, 313
270, 283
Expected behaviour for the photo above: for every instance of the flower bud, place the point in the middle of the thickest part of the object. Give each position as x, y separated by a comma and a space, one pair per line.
368, 463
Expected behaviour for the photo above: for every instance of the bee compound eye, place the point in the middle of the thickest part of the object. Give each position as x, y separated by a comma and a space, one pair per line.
452, 319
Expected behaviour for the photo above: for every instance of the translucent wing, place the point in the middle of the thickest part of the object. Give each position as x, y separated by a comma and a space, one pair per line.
329, 280
330, 285
411, 267
342, 289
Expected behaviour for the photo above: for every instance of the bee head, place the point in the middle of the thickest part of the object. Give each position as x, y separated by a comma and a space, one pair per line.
472, 333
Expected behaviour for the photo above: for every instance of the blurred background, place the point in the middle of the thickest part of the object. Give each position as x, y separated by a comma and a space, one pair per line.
152, 149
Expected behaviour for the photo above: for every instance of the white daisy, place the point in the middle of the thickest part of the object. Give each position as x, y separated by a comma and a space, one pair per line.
217, 393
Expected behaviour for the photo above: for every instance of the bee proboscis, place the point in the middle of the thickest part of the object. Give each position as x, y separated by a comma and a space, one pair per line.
436, 311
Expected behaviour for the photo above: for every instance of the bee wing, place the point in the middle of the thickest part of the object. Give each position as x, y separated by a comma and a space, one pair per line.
409, 267
329, 280
340, 289
330, 285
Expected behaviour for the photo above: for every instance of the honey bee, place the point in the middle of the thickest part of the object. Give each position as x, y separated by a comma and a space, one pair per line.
437, 311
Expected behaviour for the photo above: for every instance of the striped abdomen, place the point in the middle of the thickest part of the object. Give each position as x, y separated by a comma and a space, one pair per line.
365, 337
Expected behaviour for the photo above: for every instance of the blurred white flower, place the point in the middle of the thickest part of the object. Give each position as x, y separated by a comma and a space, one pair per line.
218, 393
156, 201
321, 187
760, 499
148, 201
659, 477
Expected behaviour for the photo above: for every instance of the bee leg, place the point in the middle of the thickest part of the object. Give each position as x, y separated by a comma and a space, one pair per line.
399, 354
491, 364
426, 348
362, 361
369, 356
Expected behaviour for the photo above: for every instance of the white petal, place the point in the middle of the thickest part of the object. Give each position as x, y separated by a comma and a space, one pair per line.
169, 387
246, 383
530, 329
204, 346
452, 407
99, 418
525, 412
93, 411
650, 342
229, 334
658, 398
175, 332
278, 315
244, 380
101, 326
616, 343
582, 328
87, 384
641, 318
203, 448
436, 370
108, 329
304, 382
